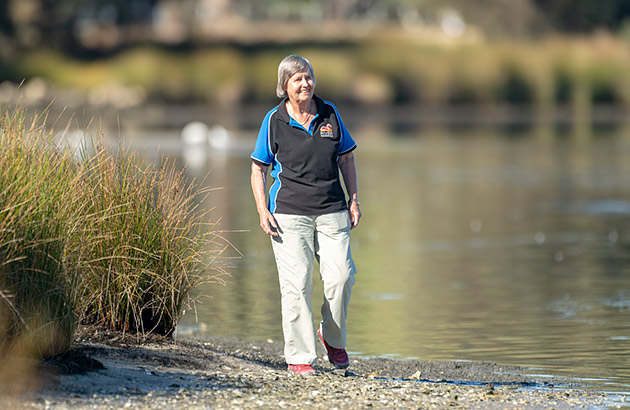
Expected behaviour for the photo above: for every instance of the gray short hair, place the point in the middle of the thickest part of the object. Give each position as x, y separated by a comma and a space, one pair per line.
288, 67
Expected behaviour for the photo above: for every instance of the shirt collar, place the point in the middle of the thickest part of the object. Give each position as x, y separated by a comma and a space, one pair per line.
284, 115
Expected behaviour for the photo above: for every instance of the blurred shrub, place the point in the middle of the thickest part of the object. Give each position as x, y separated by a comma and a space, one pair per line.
516, 88
261, 75
218, 75
578, 71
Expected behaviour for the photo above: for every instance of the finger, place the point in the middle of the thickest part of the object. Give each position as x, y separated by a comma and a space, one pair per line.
353, 221
272, 222
272, 226
264, 225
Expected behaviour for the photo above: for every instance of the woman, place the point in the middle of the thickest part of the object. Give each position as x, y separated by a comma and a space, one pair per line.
306, 213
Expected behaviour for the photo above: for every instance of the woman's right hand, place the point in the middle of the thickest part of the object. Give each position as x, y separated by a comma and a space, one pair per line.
268, 223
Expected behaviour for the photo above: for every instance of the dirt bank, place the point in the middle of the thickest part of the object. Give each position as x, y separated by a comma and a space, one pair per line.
107, 372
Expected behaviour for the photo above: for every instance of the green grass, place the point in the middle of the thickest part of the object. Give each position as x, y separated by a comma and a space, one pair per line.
109, 239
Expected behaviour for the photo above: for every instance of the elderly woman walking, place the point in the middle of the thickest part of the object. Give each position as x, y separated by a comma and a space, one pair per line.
306, 212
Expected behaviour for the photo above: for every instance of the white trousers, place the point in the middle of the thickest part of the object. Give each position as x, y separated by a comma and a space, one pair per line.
303, 239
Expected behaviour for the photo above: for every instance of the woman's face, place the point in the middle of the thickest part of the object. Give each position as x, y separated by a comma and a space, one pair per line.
300, 87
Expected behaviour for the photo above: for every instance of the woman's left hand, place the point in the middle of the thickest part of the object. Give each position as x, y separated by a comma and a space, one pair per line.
355, 214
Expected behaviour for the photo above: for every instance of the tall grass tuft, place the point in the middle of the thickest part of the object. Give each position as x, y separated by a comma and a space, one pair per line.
36, 211
147, 244
107, 239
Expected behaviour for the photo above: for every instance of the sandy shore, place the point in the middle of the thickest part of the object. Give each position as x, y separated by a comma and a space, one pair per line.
105, 372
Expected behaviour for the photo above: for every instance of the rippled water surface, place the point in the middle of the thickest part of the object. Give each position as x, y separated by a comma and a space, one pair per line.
474, 245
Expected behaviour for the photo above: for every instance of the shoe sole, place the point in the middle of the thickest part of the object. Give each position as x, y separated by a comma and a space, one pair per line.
303, 373
308, 373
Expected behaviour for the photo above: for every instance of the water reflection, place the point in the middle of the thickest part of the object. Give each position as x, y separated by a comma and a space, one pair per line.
474, 246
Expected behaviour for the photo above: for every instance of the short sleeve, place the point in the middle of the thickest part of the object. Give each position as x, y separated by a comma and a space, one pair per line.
346, 143
262, 151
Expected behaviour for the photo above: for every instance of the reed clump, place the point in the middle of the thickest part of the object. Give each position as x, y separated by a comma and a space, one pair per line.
146, 246
104, 238
36, 212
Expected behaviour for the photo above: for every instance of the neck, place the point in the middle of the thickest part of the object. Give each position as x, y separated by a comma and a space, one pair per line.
301, 107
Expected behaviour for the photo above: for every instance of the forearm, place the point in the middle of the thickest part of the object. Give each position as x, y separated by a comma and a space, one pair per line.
349, 172
259, 186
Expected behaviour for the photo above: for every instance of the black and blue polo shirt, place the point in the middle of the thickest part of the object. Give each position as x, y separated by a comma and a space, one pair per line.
304, 161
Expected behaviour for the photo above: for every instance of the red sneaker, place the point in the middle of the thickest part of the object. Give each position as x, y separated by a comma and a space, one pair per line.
301, 368
338, 357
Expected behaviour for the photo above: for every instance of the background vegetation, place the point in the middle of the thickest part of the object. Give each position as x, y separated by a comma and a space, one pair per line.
440, 53
546, 74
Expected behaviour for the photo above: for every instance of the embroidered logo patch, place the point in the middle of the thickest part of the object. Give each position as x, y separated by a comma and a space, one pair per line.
326, 131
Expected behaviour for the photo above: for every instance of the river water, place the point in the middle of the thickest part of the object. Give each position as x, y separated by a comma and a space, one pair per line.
484, 244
